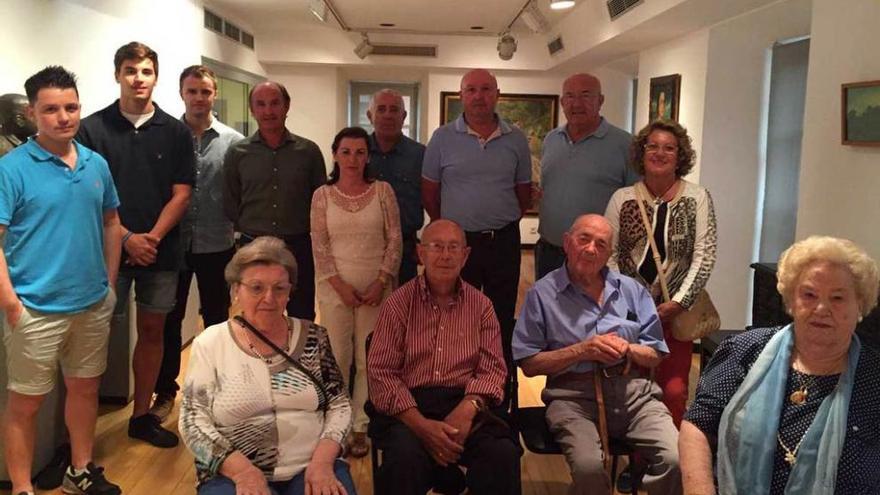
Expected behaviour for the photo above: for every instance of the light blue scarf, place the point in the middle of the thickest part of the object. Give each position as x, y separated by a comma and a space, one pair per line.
747, 436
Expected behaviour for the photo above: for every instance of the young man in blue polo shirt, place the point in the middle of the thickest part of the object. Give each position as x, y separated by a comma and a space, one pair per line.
58, 261
151, 157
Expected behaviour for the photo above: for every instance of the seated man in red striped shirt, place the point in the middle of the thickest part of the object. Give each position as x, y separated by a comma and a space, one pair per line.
435, 369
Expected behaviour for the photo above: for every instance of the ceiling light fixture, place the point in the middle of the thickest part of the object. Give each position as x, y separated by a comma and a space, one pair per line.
561, 4
533, 18
364, 48
506, 46
318, 9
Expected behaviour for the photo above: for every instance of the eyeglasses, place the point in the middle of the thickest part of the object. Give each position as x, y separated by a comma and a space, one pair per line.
439, 247
665, 149
258, 289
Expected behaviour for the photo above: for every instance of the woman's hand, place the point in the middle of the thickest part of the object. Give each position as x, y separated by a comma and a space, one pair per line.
346, 292
373, 295
668, 311
251, 481
320, 479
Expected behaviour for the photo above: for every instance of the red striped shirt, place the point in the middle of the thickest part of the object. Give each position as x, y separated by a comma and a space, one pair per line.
417, 343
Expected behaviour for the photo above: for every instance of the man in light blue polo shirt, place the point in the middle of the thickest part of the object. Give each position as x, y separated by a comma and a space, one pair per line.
595, 333
59, 258
584, 161
477, 172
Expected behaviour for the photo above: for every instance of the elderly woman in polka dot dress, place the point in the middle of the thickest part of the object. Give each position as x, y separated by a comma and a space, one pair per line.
794, 410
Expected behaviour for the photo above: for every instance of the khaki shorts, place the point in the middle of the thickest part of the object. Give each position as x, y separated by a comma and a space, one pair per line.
39, 341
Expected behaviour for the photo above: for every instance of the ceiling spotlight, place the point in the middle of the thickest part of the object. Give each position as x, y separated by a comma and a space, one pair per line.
561, 4
506, 46
364, 48
318, 9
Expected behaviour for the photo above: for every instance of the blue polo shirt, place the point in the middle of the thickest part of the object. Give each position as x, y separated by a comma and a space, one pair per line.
478, 180
580, 177
54, 244
557, 314
402, 168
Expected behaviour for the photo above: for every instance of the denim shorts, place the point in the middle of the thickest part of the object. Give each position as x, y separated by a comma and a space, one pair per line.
39, 341
155, 292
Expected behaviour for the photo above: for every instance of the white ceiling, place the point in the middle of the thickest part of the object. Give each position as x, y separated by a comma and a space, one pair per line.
408, 16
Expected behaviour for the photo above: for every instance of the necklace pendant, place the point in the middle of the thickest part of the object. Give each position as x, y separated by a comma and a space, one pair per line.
798, 397
790, 458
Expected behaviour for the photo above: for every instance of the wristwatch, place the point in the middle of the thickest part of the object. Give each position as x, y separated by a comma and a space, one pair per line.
478, 404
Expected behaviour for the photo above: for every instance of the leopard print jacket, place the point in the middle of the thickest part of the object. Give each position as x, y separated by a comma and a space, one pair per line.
690, 237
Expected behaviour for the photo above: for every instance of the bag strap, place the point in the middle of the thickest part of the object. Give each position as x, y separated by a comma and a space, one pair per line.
650, 231
322, 392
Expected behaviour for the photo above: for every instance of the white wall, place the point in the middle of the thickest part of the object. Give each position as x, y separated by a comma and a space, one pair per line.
838, 186
686, 56
736, 89
83, 35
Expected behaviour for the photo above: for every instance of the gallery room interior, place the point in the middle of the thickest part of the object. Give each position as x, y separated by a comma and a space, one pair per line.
757, 84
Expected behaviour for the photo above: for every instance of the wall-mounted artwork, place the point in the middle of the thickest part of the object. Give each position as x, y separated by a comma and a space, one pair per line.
535, 115
860, 113
664, 97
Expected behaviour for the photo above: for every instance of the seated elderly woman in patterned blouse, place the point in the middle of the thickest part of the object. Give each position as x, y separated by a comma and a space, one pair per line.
264, 410
794, 410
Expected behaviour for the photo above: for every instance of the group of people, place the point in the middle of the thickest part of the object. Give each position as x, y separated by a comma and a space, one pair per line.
419, 364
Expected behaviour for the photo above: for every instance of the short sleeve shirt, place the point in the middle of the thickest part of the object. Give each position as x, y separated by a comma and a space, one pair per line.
478, 180
54, 244
146, 163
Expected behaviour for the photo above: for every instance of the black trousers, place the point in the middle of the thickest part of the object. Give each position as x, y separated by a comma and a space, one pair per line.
213, 299
302, 303
409, 262
491, 453
493, 267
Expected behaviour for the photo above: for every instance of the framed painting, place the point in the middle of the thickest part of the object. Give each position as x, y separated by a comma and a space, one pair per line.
664, 97
535, 115
860, 113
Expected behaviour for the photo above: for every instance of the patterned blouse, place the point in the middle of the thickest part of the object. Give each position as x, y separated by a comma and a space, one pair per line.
269, 411
689, 236
356, 233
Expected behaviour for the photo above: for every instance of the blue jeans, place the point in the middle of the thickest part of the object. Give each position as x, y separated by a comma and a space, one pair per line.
221, 485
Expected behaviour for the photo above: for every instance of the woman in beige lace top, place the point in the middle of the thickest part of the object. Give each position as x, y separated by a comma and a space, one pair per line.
357, 246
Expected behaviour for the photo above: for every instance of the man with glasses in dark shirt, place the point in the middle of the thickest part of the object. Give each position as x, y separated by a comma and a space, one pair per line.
269, 181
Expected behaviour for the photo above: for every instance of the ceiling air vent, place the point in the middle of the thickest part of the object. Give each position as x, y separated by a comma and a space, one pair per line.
405, 50
618, 7
555, 46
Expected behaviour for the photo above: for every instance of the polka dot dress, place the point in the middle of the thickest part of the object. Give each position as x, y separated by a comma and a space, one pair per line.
858, 471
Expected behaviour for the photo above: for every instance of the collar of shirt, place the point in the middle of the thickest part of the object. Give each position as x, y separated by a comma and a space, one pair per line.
258, 138
40, 154
462, 126
159, 116
426, 296
599, 133
562, 282
374, 145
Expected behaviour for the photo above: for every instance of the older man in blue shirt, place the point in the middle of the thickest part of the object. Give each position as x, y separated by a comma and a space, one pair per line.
397, 160
596, 334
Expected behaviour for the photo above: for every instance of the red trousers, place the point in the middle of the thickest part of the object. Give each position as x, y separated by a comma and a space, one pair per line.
672, 375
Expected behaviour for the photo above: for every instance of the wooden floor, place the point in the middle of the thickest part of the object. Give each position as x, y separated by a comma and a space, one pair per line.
143, 470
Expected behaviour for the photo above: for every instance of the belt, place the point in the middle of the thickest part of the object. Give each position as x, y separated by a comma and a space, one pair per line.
623, 369
491, 234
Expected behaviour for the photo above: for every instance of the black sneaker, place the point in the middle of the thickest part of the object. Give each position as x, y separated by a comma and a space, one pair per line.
149, 429
90, 482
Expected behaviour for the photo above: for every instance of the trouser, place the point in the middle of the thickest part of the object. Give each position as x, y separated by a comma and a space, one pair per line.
633, 411
493, 267
548, 257
302, 303
348, 329
491, 452
221, 485
673, 375
214, 308
409, 262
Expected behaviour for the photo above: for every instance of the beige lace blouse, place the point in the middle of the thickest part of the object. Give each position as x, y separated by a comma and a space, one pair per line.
355, 234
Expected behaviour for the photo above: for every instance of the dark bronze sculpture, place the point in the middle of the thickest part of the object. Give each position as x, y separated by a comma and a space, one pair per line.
15, 128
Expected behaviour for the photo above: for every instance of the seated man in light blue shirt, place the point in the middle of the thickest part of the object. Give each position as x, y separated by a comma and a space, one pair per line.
596, 334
